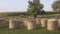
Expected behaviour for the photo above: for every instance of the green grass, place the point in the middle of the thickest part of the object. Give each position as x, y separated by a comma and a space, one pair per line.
25, 31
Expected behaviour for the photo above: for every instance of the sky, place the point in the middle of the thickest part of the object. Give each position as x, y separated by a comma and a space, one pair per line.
21, 5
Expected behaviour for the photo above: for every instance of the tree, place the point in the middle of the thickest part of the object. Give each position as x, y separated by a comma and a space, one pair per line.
56, 5
34, 7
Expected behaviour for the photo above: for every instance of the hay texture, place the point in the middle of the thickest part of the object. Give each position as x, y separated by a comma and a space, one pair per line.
44, 22
59, 23
2, 22
31, 24
13, 23
52, 24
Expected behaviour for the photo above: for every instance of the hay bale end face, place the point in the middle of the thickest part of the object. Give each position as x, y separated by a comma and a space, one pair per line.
44, 22
59, 22
38, 21
2, 22
11, 24
52, 24
31, 24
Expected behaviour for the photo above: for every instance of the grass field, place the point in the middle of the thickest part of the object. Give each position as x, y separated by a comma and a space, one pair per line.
25, 31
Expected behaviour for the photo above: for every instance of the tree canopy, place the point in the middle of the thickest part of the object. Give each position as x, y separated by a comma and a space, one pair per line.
34, 7
56, 5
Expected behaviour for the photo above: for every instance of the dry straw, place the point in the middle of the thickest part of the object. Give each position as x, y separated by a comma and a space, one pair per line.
31, 24
38, 21
2, 22
44, 22
59, 23
52, 24
11, 24
25, 22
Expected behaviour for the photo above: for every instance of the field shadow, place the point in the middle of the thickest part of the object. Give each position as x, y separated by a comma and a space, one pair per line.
59, 28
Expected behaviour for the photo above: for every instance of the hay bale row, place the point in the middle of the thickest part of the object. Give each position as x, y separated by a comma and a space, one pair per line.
50, 24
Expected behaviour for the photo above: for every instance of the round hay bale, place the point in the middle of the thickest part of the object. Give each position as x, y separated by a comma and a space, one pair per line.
17, 24
38, 21
11, 24
2, 22
44, 22
25, 22
59, 23
31, 24
52, 24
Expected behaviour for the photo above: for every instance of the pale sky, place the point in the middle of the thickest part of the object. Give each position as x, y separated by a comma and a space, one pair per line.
21, 5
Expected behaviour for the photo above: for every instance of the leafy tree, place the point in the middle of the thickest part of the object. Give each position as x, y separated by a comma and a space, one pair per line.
34, 7
56, 5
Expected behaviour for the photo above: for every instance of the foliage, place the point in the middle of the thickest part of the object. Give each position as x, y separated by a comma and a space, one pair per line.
56, 5
34, 7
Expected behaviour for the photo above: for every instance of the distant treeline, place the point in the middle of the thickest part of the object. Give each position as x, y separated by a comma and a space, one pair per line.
48, 13
26, 13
